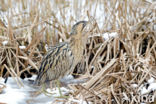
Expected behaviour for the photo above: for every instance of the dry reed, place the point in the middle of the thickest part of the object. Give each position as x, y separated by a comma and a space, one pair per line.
112, 65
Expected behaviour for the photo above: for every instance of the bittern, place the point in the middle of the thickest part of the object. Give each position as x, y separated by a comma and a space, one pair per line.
62, 58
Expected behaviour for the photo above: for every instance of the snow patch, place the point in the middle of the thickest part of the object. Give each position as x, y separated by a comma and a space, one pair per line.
151, 80
150, 86
55, 91
31, 78
107, 36
22, 47
11, 95
134, 85
5, 42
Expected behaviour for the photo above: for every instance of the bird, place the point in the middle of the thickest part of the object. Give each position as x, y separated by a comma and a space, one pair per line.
61, 59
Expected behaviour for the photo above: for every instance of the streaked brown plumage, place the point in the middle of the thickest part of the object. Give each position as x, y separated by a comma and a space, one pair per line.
62, 58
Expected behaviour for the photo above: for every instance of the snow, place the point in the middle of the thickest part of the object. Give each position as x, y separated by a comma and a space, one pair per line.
151, 86
31, 78
81, 101
5, 42
22, 47
151, 80
13, 94
55, 91
107, 36
134, 85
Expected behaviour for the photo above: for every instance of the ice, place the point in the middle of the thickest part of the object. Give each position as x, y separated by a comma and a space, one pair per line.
13, 94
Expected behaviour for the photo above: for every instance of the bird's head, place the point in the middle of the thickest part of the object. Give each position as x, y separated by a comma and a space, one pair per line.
78, 32
78, 27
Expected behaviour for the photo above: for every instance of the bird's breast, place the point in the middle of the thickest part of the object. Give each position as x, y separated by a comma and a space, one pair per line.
77, 51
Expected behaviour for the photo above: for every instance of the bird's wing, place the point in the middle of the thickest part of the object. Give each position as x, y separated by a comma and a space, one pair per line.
55, 63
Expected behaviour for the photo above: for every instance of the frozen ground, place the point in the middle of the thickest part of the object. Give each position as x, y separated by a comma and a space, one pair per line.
13, 94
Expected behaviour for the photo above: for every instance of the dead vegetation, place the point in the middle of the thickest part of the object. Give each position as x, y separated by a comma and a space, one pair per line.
113, 66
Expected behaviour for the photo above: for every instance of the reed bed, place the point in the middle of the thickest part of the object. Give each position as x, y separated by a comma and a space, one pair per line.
117, 68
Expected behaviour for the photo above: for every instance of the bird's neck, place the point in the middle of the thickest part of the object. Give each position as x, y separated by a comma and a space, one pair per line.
77, 49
